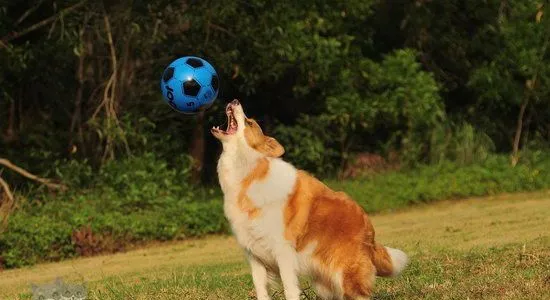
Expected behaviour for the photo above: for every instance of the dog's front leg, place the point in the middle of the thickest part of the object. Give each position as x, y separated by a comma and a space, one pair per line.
259, 278
286, 260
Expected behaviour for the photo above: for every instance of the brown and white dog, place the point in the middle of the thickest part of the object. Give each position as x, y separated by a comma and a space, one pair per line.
290, 224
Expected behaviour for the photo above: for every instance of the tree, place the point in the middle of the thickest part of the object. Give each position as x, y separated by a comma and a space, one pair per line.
519, 74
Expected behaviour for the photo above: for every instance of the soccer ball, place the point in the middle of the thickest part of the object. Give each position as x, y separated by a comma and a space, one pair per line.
189, 84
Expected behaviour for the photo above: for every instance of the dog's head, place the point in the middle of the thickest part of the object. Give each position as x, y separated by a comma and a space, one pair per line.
245, 131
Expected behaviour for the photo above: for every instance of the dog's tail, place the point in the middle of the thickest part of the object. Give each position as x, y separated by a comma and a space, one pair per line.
388, 261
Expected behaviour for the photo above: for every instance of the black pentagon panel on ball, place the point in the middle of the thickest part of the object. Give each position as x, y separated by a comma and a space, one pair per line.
215, 82
194, 62
191, 88
168, 74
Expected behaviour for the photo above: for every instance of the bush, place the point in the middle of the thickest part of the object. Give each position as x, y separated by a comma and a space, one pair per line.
461, 144
31, 239
133, 200
307, 143
48, 233
142, 183
447, 181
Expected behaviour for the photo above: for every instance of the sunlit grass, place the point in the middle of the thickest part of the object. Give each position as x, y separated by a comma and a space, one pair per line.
486, 248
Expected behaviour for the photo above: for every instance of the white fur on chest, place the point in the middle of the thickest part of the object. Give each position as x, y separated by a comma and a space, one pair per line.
276, 186
263, 235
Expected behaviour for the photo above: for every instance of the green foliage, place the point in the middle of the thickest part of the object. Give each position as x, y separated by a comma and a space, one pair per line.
74, 173
45, 233
35, 238
133, 200
306, 144
407, 99
370, 76
489, 58
524, 40
447, 180
460, 144
139, 183
395, 96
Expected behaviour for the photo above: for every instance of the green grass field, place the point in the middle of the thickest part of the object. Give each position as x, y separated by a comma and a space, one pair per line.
483, 248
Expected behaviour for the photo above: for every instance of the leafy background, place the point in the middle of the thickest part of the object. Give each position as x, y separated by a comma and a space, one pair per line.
416, 100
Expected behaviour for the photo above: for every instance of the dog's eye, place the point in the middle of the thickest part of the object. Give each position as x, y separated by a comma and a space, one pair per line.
248, 122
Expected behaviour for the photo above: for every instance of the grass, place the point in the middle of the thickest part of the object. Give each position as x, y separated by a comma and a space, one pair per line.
482, 248
429, 183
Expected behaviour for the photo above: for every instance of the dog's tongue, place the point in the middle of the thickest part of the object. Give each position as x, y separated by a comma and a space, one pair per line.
231, 126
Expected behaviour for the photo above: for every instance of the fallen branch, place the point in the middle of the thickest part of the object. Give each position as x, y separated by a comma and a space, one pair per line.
8, 164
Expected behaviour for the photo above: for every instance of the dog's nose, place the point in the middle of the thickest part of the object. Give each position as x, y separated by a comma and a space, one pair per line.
235, 102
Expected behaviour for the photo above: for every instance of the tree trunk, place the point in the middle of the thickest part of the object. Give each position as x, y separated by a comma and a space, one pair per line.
77, 114
519, 126
10, 132
527, 126
197, 149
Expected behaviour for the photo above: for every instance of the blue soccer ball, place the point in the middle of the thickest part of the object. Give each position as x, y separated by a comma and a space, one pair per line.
189, 84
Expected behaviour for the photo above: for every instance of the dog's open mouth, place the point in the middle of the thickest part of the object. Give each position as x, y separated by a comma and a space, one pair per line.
231, 123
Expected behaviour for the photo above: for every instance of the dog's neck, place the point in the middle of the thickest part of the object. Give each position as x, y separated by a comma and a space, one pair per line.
236, 162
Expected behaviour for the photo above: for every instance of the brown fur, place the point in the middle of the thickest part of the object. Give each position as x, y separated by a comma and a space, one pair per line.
245, 204
260, 142
342, 231
382, 261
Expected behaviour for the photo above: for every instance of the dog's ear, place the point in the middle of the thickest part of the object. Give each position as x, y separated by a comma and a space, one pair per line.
256, 139
271, 147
